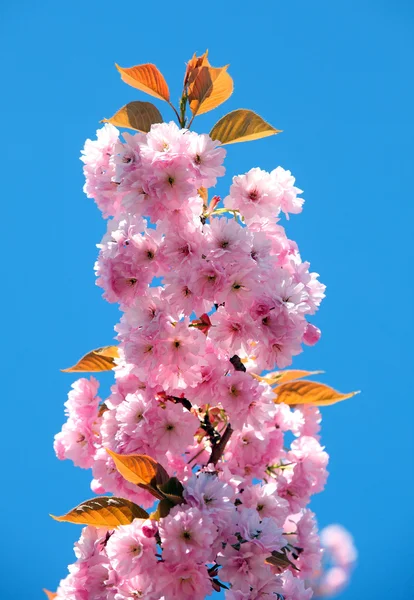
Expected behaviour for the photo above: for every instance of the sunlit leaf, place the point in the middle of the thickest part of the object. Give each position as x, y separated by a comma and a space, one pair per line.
136, 115
146, 78
101, 359
104, 511
140, 469
50, 595
278, 377
163, 509
209, 88
241, 125
309, 392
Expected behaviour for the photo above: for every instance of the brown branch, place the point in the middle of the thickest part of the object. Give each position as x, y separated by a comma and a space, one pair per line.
237, 363
186, 403
218, 449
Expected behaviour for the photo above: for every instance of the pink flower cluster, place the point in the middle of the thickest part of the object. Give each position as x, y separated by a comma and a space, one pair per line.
219, 531
207, 302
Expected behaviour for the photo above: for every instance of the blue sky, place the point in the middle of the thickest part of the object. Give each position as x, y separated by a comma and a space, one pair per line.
337, 78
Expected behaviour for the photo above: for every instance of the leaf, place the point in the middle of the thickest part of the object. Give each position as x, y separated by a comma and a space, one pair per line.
50, 595
210, 87
241, 125
162, 510
173, 489
193, 65
146, 78
102, 408
104, 511
101, 359
278, 377
136, 115
140, 469
281, 561
309, 392
203, 193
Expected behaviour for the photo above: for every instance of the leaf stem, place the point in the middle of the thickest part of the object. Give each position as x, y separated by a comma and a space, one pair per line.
183, 106
176, 112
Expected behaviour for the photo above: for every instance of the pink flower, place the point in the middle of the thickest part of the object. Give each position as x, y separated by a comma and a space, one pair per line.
143, 587
228, 242
99, 170
292, 588
208, 493
310, 454
311, 335
332, 582
265, 500
187, 534
262, 532
339, 545
237, 290
187, 581
243, 566
232, 332
165, 139
78, 439
174, 429
307, 552
207, 158
290, 203
130, 551
256, 194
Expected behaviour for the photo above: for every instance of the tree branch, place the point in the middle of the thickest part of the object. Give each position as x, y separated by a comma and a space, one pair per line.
237, 363
218, 449
186, 403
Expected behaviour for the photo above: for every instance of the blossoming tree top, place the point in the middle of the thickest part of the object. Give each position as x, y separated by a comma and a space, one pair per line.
207, 493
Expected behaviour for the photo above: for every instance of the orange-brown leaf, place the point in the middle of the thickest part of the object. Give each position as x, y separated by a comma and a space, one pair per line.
241, 125
278, 377
308, 392
139, 469
146, 78
101, 359
104, 511
136, 115
192, 65
50, 595
203, 193
210, 87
